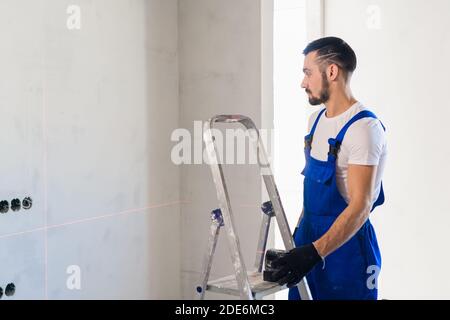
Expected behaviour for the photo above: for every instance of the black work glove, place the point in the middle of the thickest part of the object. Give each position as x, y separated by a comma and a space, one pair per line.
295, 264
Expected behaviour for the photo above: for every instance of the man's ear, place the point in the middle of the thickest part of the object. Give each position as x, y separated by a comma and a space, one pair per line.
333, 72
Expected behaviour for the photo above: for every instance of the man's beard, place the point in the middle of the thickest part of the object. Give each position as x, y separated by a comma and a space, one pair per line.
324, 95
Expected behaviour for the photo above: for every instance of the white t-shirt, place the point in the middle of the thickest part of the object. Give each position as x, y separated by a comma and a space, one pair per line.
363, 144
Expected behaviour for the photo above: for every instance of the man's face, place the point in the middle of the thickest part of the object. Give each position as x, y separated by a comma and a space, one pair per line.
315, 82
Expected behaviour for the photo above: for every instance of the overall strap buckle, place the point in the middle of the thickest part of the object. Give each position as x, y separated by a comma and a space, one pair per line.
335, 146
308, 142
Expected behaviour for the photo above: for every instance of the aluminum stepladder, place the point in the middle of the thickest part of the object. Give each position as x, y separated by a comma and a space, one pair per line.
246, 285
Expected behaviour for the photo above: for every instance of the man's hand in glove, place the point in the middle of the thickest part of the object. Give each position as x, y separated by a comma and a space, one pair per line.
295, 264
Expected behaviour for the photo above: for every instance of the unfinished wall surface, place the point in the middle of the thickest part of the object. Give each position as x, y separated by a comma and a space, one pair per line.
88, 100
402, 47
220, 73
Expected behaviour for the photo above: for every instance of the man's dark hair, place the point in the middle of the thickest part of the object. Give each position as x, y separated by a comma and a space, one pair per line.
333, 50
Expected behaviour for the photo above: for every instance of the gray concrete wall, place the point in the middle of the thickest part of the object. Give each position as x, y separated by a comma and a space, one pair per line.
86, 121
220, 73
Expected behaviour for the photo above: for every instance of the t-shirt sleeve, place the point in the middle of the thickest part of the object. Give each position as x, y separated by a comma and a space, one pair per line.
367, 143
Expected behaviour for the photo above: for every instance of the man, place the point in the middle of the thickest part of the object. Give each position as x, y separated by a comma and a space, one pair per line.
336, 247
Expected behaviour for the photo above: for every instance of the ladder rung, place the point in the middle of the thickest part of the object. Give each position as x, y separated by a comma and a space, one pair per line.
260, 288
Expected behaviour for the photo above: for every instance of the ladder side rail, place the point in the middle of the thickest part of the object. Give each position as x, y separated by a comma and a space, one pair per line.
224, 203
208, 258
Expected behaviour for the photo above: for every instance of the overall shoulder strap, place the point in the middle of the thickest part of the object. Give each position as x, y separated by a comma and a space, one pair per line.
309, 137
336, 143
313, 129
360, 115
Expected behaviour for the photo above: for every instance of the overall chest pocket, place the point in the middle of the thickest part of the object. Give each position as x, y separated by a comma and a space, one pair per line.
318, 188
319, 172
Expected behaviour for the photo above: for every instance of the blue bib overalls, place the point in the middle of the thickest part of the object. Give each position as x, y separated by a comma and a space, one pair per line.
346, 272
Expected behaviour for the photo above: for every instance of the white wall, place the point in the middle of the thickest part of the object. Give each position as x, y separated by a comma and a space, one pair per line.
403, 76
220, 73
86, 121
291, 108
